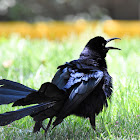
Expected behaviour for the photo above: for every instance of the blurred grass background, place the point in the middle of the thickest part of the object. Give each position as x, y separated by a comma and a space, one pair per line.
37, 36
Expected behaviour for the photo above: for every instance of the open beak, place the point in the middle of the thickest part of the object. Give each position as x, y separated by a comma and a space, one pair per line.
109, 48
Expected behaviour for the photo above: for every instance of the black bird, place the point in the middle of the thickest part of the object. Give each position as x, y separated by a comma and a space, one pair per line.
80, 87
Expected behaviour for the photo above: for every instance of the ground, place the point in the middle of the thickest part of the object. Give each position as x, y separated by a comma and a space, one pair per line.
34, 61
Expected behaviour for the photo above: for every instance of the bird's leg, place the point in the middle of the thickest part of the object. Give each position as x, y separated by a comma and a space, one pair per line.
46, 129
38, 125
92, 121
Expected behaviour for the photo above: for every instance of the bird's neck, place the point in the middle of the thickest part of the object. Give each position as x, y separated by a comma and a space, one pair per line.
93, 58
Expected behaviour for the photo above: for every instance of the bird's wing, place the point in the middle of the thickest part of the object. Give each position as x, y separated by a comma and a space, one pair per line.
71, 73
82, 87
79, 84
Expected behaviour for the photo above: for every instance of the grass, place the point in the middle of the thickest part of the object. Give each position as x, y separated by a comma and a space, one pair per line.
33, 62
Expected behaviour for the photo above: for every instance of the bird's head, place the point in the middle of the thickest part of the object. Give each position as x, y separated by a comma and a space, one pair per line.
98, 44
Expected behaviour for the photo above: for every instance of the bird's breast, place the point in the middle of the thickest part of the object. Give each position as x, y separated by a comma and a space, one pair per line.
92, 104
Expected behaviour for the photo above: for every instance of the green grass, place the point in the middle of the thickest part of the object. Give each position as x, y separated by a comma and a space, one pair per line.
35, 62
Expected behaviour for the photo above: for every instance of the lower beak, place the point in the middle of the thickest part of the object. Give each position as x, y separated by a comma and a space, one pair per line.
112, 48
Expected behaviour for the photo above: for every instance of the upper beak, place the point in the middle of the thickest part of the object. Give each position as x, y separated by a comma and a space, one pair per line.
108, 40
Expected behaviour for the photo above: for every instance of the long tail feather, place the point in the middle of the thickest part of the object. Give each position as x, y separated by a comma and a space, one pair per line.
11, 91
49, 97
7, 84
9, 117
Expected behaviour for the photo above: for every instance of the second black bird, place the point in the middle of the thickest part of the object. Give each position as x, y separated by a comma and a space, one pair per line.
80, 87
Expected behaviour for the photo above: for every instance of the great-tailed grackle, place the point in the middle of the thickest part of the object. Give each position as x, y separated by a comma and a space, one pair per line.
80, 87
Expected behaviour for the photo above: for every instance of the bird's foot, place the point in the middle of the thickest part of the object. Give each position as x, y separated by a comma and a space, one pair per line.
46, 129
94, 128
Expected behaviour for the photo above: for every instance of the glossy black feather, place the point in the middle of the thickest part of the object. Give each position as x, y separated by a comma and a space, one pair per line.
47, 92
11, 91
9, 117
7, 84
82, 83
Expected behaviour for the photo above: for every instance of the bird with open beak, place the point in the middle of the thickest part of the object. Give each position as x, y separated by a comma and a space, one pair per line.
80, 87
